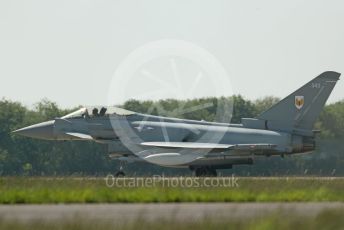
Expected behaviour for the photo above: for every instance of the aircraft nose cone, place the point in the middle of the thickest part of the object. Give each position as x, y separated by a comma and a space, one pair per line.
44, 130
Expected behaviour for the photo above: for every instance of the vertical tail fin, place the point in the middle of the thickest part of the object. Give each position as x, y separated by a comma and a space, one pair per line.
299, 110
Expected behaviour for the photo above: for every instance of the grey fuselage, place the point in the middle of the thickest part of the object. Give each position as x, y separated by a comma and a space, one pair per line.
285, 128
123, 133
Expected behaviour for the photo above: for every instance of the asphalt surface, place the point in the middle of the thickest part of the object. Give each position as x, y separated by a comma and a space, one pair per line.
151, 212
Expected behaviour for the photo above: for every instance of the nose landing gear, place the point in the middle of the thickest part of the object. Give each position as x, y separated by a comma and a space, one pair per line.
120, 172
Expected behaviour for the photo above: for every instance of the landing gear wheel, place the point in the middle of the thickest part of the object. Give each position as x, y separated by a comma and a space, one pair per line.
205, 172
120, 174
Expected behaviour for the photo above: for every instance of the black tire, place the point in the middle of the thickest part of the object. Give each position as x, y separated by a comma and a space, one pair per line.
205, 172
120, 174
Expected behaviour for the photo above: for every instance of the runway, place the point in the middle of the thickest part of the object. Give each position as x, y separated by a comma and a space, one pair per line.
151, 212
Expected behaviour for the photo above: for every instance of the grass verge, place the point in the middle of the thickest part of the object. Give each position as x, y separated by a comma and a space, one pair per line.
28, 190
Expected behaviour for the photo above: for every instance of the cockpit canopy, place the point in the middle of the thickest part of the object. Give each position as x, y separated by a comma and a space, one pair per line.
98, 112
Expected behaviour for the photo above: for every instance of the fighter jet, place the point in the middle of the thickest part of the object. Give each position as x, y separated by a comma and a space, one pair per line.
284, 129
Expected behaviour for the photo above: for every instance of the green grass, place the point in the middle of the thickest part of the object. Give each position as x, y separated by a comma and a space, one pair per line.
330, 219
28, 190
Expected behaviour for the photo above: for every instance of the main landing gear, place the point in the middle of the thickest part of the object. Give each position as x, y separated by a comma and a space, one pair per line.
204, 172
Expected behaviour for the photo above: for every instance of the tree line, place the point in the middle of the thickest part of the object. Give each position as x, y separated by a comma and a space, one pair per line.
26, 156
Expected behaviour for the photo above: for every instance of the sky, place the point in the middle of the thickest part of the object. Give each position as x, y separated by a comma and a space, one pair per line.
71, 51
